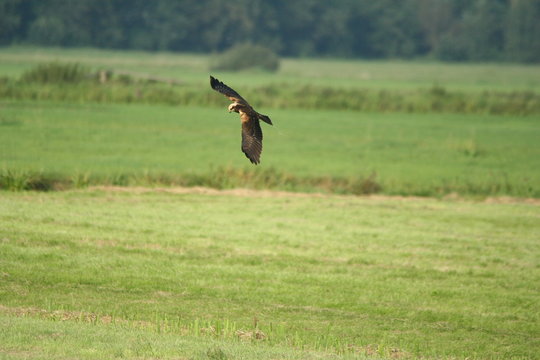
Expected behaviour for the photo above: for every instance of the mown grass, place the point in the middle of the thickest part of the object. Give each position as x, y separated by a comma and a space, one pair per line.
31, 337
389, 277
46, 145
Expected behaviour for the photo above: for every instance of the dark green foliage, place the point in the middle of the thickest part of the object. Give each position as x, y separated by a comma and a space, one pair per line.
22, 180
523, 31
10, 20
56, 73
450, 30
479, 35
246, 56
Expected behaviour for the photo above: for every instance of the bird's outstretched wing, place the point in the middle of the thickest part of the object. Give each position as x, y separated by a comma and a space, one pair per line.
227, 91
251, 129
251, 137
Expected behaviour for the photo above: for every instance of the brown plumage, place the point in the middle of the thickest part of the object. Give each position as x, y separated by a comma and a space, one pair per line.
251, 129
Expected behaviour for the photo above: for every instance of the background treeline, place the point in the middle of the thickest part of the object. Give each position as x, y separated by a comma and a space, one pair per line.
457, 30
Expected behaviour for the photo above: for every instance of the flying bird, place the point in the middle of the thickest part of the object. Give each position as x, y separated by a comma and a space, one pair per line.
251, 129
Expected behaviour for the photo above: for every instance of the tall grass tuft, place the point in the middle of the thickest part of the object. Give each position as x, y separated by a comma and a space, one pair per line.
14, 180
20, 180
56, 73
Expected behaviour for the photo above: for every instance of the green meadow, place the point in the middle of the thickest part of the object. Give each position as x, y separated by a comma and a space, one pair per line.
306, 150
394, 214
355, 276
193, 69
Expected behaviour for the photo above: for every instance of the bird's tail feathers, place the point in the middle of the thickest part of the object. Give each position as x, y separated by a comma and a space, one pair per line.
264, 118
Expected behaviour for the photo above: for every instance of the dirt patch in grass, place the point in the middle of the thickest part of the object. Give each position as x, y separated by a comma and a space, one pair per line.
207, 191
287, 194
61, 315
511, 200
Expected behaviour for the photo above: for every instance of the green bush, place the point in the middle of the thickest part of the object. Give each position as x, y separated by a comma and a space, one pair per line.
56, 73
246, 56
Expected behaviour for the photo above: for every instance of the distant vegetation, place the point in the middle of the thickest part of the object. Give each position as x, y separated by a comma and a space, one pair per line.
56, 73
245, 56
477, 30
75, 83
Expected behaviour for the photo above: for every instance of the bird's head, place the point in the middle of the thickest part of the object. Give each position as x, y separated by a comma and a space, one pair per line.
234, 107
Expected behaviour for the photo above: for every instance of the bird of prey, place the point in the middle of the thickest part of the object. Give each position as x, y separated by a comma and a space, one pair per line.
251, 129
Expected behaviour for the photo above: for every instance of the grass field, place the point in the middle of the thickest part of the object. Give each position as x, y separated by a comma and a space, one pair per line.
193, 69
410, 154
118, 258
47, 339
410, 277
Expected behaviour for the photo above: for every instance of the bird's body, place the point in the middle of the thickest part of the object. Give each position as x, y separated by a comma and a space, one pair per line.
251, 129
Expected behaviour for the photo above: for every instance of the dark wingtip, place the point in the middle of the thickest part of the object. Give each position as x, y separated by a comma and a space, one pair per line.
254, 161
214, 82
266, 119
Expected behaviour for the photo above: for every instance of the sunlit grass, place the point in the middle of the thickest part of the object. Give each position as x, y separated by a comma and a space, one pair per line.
148, 270
429, 278
34, 338
408, 154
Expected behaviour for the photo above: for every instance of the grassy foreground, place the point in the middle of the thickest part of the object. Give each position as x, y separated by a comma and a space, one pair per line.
45, 339
334, 151
191, 275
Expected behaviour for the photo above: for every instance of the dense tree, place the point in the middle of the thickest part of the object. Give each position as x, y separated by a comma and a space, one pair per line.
523, 33
435, 17
478, 34
396, 33
447, 29
10, 19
